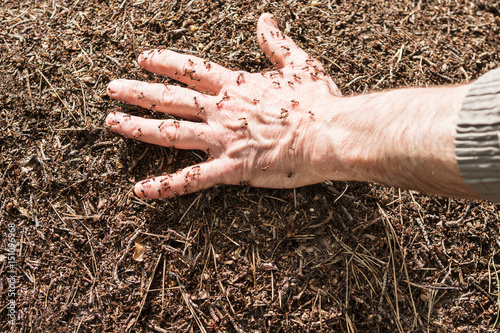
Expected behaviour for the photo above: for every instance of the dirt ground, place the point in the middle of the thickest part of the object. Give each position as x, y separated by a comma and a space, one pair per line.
333, 257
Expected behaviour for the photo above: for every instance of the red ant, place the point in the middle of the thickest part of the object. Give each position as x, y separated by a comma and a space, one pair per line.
138, 135
245, 124
284, 113
263, 39
225, 97
240, 78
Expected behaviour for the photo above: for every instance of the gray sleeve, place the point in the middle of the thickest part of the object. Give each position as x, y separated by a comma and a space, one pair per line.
477, 140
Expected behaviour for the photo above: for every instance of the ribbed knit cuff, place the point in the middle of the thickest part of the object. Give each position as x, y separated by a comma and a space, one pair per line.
477, 140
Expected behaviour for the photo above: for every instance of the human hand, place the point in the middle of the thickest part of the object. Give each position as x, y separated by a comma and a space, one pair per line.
261, 129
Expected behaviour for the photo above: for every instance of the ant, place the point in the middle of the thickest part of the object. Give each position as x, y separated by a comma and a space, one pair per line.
255, 100
294, 102
225, 97
140, 96
265, 168
276, 84
240, 78
138, 135
263, 39
245, 124
200, 110
208, 65
284, 113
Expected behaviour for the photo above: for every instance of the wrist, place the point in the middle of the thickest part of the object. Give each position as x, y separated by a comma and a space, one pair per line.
401, 138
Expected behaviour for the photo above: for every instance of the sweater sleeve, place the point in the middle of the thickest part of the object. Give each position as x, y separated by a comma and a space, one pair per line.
477, 138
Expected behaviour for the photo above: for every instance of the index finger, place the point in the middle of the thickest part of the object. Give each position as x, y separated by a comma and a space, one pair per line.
198, 73
280, 49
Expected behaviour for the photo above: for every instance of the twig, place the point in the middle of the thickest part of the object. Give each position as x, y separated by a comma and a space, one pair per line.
146, 293
55, 92
498, 292
193, 312
129, 245
236, 326
29, 90
424, 232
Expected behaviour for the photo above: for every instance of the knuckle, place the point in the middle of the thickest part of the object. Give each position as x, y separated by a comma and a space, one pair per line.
168, 130
167, 96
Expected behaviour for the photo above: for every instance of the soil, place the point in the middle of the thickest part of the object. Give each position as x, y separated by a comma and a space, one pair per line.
332, 257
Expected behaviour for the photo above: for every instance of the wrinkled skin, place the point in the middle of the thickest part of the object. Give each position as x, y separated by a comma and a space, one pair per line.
264, 130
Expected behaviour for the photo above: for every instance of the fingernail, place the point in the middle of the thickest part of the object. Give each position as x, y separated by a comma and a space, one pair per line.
143, 57
269, 21
139, 191
114, 86
112, 119
133, 193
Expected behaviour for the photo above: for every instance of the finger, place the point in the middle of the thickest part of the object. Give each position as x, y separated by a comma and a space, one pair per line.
188, 180
175, 100
280, 49
168, 133
197, 73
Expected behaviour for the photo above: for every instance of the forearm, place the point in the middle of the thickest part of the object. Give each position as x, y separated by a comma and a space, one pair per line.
403, 138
